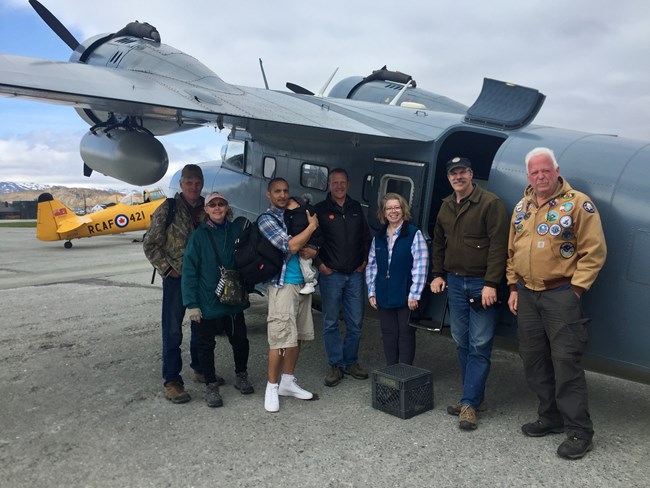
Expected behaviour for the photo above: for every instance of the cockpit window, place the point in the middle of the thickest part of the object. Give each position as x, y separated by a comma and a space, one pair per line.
232, 155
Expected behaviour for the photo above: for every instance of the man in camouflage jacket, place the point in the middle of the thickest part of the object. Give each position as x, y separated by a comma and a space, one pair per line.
164, 245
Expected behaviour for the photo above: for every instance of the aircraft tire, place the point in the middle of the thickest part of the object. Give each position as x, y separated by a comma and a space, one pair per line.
67, 244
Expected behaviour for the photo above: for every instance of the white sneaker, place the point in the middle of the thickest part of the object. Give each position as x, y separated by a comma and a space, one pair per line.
271, 399
308, 289
293, 389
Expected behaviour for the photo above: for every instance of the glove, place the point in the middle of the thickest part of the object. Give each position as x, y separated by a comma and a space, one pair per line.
195, 314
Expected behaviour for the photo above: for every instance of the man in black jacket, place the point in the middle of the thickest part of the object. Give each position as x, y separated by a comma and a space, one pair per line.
342, 261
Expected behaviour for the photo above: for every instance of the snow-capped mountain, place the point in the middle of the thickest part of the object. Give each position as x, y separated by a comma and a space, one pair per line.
13, 186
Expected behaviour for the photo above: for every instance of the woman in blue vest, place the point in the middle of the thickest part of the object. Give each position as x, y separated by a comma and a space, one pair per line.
398, 262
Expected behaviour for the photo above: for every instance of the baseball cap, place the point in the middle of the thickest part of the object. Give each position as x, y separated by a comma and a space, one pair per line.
192, 171
213, 196
458, 162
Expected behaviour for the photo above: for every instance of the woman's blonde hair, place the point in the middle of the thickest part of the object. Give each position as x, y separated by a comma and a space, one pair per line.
381, 210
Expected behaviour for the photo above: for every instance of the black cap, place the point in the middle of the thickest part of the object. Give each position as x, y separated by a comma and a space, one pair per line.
458, 162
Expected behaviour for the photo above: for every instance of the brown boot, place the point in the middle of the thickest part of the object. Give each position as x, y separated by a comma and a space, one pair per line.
175, 392
200, 378
467, 418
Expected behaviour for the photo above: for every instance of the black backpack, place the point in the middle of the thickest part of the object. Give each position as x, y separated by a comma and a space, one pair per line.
255, 257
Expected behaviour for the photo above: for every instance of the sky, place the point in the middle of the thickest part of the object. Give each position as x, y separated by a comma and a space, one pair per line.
591, 58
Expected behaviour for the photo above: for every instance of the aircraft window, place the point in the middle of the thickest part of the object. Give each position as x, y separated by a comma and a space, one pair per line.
269, 167
232, 155
397, 184
314, 176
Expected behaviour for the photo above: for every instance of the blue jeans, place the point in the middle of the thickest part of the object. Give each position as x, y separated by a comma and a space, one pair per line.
173, 312
473, 332
347, 289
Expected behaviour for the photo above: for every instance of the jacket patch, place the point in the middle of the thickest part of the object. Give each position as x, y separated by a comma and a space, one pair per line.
567, 250
552, 216
566, 207
542, 229
589, 207
555, 230
566, 221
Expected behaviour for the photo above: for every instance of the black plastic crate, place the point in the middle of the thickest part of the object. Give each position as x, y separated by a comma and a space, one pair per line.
402, 390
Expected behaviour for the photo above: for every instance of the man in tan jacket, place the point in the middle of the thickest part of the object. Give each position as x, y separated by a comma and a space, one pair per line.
556, 249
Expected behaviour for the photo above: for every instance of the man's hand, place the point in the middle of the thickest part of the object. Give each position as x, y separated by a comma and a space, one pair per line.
438, 284
173, 274
413, 303
324, 269
488, 296
195, 314
308, 252
312, 219
362, 267
513, 302
373, 302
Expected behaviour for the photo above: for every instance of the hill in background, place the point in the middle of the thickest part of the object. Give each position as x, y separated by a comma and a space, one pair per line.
74, 198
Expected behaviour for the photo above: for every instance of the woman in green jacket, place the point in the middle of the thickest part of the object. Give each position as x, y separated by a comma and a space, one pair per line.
201, 273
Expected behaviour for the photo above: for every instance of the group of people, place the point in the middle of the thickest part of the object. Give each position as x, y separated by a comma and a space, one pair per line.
550, 252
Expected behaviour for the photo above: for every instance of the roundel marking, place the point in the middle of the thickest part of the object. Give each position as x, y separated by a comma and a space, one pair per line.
121, 220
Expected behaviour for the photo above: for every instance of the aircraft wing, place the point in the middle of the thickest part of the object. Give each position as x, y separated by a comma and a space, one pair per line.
207, 101
72, 224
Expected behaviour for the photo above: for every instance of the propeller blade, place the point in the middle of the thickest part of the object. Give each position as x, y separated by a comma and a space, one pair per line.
54, 24
298, 89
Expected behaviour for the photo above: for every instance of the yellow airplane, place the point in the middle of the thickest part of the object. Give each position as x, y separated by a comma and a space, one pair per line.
56, 222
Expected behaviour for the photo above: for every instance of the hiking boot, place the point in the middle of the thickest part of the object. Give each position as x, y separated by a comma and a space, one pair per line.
271, 399
467, 418
200, 378
290, 387
356, 371
212, 396
538, 429
334, 376
457, 407
308, 289
574, 448
175, 392
242, 383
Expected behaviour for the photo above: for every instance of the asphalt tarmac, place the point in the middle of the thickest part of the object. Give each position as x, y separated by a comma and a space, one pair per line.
82, 402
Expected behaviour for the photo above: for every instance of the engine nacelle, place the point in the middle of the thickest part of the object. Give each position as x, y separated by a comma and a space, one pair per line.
129, 155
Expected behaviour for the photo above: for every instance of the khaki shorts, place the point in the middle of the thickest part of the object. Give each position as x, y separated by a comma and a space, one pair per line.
289, 319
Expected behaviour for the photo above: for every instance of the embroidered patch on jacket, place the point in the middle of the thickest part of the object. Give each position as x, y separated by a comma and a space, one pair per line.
567, 250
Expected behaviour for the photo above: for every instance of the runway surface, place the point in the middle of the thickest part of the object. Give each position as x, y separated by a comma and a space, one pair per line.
82, 400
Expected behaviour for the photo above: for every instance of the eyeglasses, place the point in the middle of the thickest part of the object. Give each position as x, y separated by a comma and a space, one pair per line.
217, 204
391, 209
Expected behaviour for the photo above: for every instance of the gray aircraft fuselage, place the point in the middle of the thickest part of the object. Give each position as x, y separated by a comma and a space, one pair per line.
131, 87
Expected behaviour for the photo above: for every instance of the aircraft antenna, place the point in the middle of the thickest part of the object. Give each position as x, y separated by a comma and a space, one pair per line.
266, 84
401, 92
321, 92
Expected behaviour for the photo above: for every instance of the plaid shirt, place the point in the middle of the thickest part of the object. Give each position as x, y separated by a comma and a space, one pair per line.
278, 236
418, 271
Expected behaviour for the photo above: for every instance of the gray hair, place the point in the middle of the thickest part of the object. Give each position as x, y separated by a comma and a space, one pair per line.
538, 151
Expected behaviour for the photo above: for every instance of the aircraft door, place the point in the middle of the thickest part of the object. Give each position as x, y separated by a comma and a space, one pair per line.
406, 178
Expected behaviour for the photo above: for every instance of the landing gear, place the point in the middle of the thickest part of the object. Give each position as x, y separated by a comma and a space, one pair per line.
67, 244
